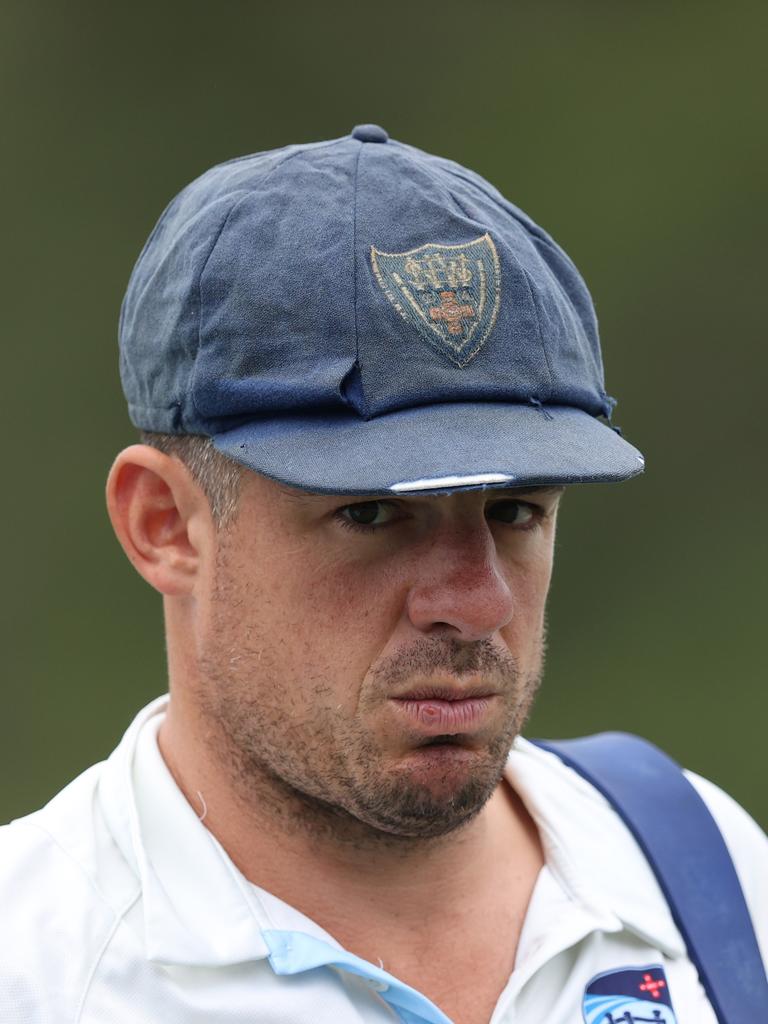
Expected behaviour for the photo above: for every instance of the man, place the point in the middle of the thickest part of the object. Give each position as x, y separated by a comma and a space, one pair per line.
364, 379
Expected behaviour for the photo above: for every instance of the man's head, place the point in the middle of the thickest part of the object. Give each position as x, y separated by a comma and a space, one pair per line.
389, 373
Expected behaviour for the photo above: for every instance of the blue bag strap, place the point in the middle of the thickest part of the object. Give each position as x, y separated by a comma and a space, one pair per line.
690, 860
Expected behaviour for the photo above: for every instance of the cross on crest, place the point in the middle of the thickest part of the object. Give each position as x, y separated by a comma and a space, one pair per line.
451, 312
652, 985
449, 294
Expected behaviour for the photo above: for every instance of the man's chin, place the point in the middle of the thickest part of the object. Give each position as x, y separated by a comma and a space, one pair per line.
434, 790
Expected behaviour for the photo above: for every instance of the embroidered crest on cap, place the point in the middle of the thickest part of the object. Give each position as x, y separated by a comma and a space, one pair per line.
449, 293
629, 995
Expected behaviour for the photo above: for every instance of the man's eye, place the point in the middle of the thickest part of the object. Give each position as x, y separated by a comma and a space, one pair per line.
516, 513
365, 515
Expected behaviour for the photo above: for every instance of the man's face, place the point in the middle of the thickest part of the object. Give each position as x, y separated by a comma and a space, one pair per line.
327, 624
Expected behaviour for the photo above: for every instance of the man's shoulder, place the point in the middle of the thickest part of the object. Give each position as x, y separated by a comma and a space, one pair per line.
67, 839
748, 847
573, 801
737, 825
62, 884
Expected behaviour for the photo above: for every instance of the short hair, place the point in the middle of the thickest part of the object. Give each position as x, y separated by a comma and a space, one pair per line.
218, 476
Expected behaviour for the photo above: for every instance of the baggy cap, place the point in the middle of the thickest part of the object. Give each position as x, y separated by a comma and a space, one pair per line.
360, 317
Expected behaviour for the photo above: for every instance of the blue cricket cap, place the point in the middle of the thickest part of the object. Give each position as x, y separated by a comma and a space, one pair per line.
360, 317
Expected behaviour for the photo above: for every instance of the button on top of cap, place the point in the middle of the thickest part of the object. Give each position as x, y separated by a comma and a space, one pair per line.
369, 133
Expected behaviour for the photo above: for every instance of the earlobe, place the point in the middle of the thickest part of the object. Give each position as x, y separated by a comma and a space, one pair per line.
152, 501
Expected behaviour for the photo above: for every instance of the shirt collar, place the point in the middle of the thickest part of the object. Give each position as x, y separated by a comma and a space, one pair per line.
200, 910
590, 850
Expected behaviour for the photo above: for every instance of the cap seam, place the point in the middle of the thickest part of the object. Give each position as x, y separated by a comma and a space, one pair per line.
520, 216
366, 412
239, 197
354, 250
242, 194
596, 352
152, 235
528, 285
445, 188
125, 367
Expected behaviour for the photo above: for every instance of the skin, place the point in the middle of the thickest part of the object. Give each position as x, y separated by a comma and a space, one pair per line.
290, 634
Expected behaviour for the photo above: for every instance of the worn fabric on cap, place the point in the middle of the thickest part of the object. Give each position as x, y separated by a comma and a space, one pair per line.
353, 315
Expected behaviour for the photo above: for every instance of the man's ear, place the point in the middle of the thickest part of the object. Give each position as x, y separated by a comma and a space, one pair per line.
161, 517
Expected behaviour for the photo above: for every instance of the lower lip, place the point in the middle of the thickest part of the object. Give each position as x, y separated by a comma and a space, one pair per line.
445, 716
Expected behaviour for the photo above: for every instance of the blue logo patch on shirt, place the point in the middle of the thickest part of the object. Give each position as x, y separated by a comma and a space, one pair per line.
449, 293
629, 995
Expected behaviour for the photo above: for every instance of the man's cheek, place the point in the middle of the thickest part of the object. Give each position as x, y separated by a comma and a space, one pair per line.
349, 591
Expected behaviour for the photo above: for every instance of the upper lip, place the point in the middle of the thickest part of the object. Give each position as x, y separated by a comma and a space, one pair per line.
444, 693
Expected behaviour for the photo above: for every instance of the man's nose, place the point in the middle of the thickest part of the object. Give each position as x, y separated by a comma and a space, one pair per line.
460, 583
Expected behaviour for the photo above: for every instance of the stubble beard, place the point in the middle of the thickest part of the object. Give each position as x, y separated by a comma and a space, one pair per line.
296, 764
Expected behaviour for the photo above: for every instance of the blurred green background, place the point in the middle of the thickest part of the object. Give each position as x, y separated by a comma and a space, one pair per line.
635, 133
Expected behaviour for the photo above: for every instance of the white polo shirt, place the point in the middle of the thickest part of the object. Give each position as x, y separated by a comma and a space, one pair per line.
118, 906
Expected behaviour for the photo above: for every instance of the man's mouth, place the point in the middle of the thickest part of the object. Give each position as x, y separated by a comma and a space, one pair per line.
438, 711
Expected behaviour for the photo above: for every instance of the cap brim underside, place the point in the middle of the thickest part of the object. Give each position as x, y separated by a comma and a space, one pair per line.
436, 448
